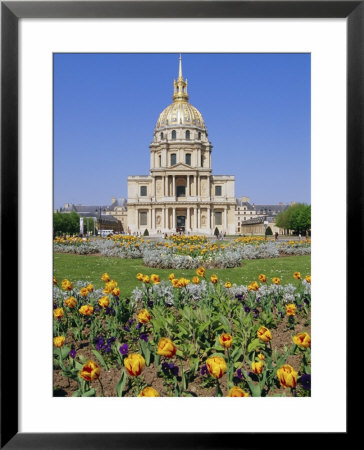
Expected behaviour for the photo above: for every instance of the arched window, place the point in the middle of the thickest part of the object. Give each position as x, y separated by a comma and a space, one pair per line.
162, 136
160, 160
188, 134
174, 134
199, 135
173, 159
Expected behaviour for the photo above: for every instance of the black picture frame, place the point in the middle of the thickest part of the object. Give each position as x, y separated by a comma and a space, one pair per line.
11, 12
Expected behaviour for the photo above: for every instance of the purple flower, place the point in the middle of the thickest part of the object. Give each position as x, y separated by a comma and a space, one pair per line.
165, 367
72, 353
150, 304
246, 309
305, 381
97, 309
138, 326
124, 349
126, 328
143, 337
174, 371
131, 321
203, 370
239, 373
127, 301
299, 306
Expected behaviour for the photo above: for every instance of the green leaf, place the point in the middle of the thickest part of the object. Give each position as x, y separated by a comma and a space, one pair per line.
100, 359
65, 351
236, 354
215, 355
254, 345
225, 322
76, 393
82, 359
121, 384
145, 351
90, 393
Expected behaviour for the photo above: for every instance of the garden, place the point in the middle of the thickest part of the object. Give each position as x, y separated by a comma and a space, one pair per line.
127, 324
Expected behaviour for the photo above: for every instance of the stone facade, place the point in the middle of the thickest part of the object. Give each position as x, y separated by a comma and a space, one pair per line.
181, 193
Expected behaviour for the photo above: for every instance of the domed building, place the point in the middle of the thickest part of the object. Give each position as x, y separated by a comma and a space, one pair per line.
180, 193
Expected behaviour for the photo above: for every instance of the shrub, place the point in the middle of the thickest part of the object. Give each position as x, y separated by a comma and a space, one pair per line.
269, 232
216, 232
146, 232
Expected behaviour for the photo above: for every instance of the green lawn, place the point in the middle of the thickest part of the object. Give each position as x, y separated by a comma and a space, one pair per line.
90, 268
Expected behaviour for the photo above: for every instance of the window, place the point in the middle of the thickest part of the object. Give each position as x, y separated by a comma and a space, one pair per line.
218, 218
199, 134
218, 191
173, 159
188, 134
188, 159
202, 160
174, 134
143, 191
160, 160
181, 191
162, 136
143, 218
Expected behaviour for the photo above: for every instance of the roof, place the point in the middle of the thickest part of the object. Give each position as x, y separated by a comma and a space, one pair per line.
270, 209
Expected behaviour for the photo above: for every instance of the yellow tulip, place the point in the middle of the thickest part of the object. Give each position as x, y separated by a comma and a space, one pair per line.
134, 364
287, 376
144, 316
166, 348
90, 371
86, 310
216, 366
237, 392
59, 341
264, 334
149, 392
226, 340
302, 340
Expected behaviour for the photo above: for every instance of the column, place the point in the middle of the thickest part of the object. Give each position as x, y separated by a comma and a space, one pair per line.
188, 219
153, 187
209, 217
150, 219
196, 185
153, 219
199, 218
174, 218
195, 218
166, 186
136, 219
174, 186
225, 219
188, 194
166, 218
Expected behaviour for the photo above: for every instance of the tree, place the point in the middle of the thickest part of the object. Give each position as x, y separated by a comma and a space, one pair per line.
146, 232
268, 231
216, 232
296, 218
64, 223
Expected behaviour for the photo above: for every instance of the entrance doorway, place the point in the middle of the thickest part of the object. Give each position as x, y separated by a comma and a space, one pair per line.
181, 223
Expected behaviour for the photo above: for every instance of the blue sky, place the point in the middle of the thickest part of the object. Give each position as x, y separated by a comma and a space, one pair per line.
257, 109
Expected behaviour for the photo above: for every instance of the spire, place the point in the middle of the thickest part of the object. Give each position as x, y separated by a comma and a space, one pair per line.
180, 86
180, 77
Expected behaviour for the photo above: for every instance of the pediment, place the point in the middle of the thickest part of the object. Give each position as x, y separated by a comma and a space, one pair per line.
181, 166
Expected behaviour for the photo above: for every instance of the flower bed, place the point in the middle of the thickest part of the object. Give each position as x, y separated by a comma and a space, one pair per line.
199, 337
183, 252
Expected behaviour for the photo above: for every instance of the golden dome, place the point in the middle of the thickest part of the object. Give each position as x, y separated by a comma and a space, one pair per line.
180, 112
